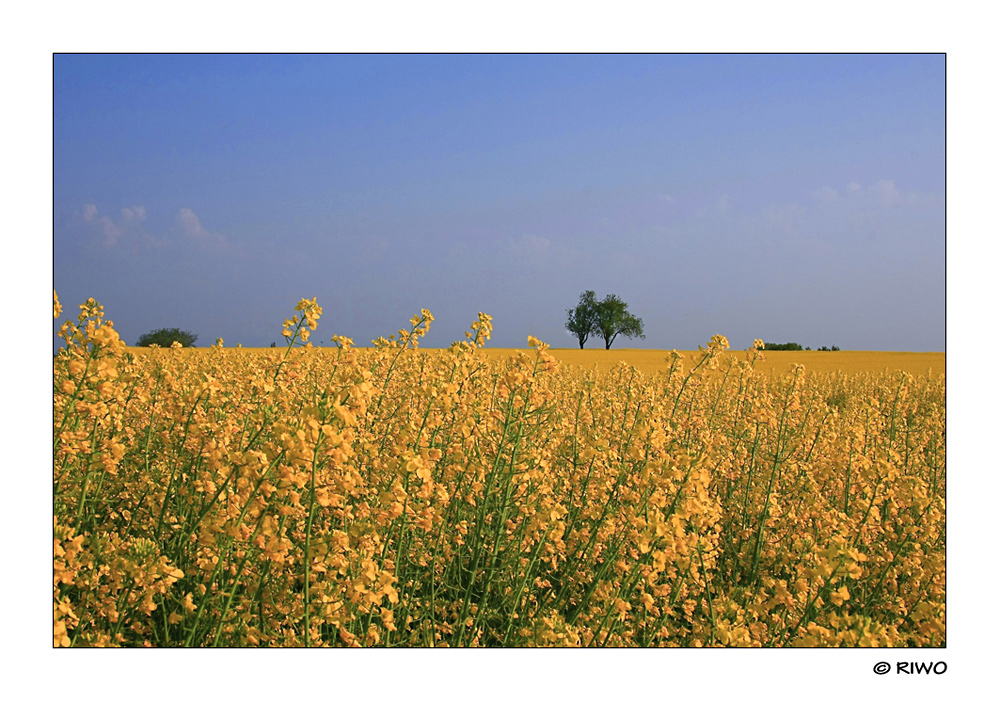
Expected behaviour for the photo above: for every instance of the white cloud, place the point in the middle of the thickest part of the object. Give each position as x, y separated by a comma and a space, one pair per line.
886, 193
191, 224
128, 230
194, 231
112, 232
136, 213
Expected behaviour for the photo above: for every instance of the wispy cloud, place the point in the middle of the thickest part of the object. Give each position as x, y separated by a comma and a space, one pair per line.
191, 225
193, 231
137, 213
112, 230
886, 193
128, 227
882, 195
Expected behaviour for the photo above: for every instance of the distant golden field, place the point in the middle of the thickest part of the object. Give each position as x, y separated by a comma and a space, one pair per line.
397, 497
653, 361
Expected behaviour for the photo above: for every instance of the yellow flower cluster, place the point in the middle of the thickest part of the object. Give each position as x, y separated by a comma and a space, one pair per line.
394, 497
298, 328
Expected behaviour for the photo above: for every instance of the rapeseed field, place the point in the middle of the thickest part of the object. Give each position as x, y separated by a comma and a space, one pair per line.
396, 497
772, 363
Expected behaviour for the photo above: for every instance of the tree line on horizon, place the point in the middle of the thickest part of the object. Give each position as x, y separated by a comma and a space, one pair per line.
607, 319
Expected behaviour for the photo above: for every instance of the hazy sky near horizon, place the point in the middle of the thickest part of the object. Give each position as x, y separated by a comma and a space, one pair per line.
784, 197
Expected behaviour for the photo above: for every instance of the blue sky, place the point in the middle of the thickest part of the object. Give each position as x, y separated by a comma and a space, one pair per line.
786, 197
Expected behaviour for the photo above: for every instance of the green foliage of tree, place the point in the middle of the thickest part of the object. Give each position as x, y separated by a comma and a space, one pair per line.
613, 318
607, 318
166, 337
583, 318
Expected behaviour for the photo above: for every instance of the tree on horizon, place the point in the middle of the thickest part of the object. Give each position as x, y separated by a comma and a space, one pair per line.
583, 318
607, 318
165, 337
